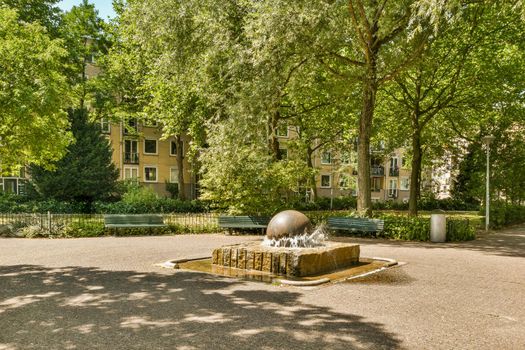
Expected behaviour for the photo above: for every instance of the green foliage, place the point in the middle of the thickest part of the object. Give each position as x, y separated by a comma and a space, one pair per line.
85, 37
44, 12
406, 228
139, 195
173, 189
460, 230
86, 173
20, 204
84, 229
505, 214
159, 205
33, 94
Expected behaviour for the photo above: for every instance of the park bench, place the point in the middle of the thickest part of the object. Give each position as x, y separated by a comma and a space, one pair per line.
131, 221
244, 222
356, 224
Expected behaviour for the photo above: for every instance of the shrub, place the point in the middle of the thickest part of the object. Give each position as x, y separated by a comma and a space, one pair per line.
503, 214
173, 189
84, 229
460, 230
406, 228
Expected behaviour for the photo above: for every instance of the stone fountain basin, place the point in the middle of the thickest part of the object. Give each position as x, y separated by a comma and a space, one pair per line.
292, 262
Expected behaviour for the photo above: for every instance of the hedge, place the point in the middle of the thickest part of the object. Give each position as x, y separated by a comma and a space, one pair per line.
503, 214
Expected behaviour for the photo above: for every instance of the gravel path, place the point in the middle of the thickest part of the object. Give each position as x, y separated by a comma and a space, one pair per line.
106, 293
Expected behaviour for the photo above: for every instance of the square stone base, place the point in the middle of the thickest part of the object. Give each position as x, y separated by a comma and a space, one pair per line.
296, 262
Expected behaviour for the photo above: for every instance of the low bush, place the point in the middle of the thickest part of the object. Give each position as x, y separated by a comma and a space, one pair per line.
406, 228
84, 229
503, 214
460, 230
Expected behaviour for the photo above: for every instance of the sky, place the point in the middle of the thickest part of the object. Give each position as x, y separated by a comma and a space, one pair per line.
104, 7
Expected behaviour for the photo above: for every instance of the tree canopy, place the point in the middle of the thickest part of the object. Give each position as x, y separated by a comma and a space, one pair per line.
33, 94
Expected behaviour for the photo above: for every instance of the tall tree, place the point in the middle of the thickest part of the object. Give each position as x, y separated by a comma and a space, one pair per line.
85, 38
33, 94
86, 173
439, 81
373, 44
45, 12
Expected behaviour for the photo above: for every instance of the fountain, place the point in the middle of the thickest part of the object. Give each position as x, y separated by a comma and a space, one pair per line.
292, 247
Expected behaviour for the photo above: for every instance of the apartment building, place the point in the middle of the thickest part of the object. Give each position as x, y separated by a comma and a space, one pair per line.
337, 170
142, 155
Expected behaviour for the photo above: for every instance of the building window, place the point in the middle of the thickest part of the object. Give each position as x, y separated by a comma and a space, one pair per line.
150, 174
283, 152
131, 173
405, 184
150, 146
105, 126
131, 152
392, 189
376, 184
326, 181
326, 158
151, 123
344, 181
174, 175
130, 126
282, 131
173, 148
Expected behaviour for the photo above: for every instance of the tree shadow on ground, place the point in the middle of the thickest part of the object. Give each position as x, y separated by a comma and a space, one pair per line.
89, 308
509, 242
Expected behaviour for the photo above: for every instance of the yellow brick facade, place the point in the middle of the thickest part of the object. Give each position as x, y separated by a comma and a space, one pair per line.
134, 162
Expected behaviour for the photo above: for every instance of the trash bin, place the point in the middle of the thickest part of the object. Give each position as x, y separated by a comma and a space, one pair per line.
438, 227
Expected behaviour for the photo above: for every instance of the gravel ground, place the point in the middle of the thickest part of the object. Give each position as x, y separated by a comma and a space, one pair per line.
106, 293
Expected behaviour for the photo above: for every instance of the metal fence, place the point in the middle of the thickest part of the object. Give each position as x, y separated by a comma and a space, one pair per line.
191, 222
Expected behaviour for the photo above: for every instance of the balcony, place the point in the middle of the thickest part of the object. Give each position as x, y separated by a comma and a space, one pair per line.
131, 158
394, 171
377, 170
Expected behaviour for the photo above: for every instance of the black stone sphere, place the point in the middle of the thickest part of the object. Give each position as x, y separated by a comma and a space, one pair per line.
288, 223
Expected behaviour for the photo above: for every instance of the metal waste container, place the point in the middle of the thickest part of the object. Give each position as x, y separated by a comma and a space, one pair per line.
438, 227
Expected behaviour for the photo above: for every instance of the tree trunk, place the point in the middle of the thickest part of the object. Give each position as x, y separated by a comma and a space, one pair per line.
273, 141
415, 176
180, 167
309, 163
364, 199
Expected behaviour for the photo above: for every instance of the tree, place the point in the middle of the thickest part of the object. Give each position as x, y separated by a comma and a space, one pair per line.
86, 173
85, 39
44, 12
33, 94
438, 82
157, 56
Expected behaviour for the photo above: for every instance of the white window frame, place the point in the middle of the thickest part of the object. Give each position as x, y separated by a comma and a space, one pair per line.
322, 157
105, 121
156, 173
131, 168
330, 181
156, 147
401, 184
394, 162
176, 180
